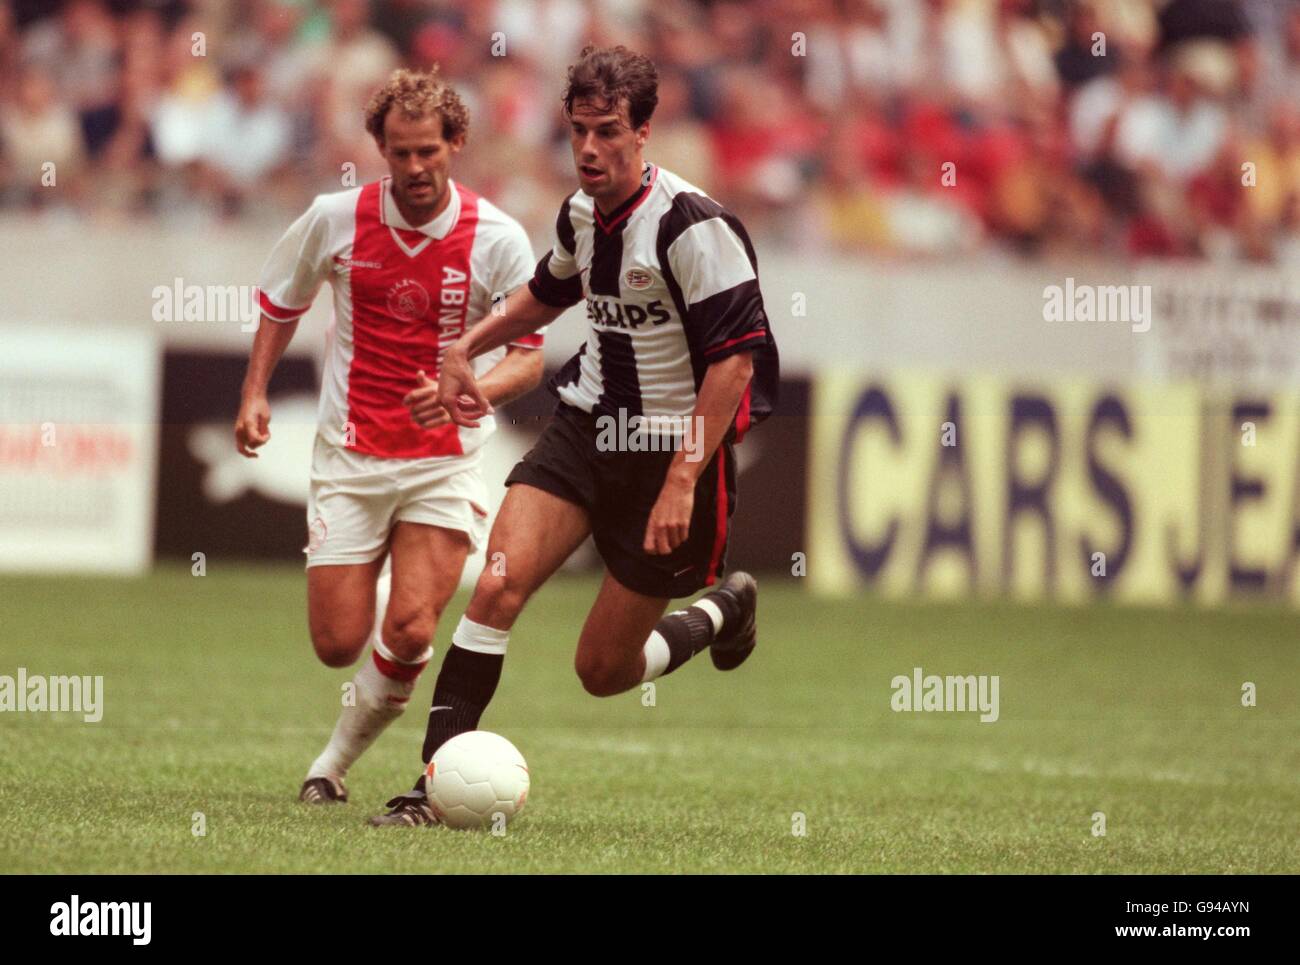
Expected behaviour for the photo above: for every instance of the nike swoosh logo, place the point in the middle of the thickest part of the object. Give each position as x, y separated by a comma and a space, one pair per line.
442, 707
687, 570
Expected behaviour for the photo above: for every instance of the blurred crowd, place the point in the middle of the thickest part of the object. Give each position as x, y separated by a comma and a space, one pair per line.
1134, 128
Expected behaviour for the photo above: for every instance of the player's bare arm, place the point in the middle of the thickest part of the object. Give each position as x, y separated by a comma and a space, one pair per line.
252, 424
720, 394
458, 390
517, 374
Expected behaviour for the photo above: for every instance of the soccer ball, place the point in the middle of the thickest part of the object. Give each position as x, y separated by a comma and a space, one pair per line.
475, 780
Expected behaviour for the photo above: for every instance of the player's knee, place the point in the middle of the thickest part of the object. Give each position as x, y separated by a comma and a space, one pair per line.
600, 677
338, 647
410, 634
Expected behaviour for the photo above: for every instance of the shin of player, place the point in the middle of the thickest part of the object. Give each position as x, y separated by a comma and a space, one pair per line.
376, 696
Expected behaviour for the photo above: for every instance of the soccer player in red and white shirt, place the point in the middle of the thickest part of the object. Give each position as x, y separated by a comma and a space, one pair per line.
414, 260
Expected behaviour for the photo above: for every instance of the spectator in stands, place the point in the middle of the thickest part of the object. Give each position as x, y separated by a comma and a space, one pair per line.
42, 140
79, 49
1077, 59
358, 58
246, 145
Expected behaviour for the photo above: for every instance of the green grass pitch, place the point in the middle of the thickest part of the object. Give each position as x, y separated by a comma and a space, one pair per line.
215, 704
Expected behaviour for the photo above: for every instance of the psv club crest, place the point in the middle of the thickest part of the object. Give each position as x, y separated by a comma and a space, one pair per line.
638, 279
408, 300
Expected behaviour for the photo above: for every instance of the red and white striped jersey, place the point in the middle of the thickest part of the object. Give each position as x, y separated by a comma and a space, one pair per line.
402, 295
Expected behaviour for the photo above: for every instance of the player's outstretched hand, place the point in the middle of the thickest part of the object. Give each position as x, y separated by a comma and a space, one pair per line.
426, 408
670, 520
252, 426
459, 392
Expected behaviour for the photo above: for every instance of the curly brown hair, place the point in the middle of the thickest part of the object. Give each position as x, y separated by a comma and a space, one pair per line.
609, 75
418, 94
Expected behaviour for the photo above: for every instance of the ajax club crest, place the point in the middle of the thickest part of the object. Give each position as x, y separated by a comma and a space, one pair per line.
408, 300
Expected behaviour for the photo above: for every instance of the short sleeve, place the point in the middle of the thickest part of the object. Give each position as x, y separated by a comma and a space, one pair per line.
713, 265
296, 267
556, 281
512, 266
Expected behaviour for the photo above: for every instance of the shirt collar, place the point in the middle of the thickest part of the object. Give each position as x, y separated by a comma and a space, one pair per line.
623, 211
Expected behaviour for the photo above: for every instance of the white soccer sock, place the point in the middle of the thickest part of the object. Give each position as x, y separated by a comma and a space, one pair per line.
711, 608
380, 691
378, 699
657, 655
480, 638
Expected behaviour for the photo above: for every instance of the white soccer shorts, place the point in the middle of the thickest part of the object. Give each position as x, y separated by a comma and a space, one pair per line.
356, 499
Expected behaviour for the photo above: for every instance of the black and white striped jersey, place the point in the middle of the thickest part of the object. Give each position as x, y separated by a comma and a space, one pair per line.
671, 285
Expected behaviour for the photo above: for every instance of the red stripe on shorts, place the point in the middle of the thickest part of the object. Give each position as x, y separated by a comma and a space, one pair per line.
720, 535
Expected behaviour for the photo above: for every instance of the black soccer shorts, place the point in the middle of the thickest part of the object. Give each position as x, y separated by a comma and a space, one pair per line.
618, 489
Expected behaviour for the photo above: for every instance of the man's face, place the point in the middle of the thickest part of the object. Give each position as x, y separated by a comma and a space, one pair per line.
419, 159
606, 149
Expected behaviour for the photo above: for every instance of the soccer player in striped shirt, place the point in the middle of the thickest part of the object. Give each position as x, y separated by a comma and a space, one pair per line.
415, 260
678, 349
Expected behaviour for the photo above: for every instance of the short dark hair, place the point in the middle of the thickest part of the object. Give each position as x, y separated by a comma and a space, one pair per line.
608, 75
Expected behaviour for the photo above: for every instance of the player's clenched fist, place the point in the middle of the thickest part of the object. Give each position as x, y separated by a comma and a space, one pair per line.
425, 407
252, 426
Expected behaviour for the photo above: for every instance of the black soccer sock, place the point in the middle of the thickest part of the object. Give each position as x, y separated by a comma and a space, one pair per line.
465, 686
686, 632
729, 608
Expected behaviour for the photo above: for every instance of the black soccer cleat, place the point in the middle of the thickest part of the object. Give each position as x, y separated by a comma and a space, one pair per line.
736, 642
323, 790
409, 810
